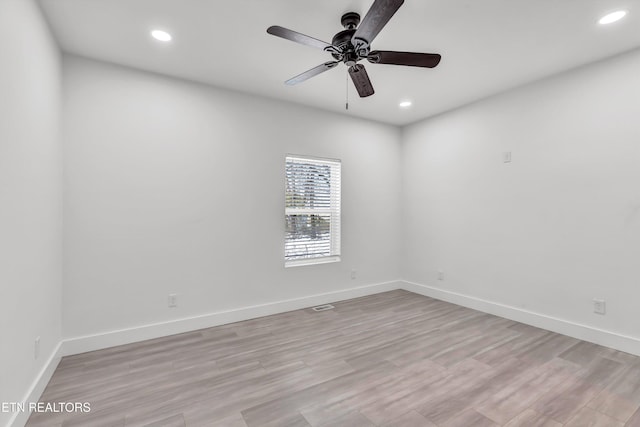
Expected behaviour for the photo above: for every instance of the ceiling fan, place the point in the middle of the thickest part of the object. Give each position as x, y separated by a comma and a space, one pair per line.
353, 44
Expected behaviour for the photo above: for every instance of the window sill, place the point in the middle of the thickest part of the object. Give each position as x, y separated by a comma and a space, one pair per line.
312, 261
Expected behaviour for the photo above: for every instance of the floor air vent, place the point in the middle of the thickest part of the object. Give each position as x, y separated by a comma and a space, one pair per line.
323, 307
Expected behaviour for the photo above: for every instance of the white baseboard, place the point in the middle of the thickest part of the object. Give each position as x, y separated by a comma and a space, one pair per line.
130, 335
126, 336
19, 419
602, 337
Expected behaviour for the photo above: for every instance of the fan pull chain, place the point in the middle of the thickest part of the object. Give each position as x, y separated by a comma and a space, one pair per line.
347, 91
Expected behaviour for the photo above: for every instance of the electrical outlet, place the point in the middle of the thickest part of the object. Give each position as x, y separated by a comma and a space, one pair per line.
173, 300
599, 306
440, 275
354, 274
506, 157
36, 348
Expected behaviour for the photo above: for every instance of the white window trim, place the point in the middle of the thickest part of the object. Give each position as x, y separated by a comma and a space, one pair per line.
312, 261
336, 239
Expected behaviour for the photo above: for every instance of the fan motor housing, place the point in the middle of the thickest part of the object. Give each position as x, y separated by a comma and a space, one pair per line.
342, 40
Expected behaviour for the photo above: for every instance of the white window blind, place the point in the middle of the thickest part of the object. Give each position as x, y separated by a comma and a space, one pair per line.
312, 211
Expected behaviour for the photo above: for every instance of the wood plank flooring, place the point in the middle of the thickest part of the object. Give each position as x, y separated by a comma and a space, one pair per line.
395, 359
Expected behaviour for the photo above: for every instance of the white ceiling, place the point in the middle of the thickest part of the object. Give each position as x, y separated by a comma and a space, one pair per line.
487, 45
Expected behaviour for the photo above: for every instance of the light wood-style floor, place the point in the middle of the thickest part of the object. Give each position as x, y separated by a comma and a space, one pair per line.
393, 359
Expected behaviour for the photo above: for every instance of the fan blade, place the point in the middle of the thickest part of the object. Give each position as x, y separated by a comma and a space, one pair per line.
297, 37
427, 60
361, 80
311, 73
376, 18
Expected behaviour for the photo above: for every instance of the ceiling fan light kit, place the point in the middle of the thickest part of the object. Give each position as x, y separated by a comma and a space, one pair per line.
353, 44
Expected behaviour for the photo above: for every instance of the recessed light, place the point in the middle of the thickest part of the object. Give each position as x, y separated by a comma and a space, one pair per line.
163, 36
612, 17
405, 104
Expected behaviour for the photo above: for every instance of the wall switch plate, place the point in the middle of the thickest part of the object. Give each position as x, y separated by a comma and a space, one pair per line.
173, 300
440, 275
506, 157
599, 306
354, 274
36, 348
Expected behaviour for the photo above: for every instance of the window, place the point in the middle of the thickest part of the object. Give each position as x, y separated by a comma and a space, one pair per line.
312, 211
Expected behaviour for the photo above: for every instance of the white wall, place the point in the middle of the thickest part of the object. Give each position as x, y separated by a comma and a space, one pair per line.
30, 197
176, 187
555, 228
